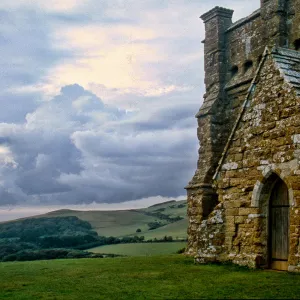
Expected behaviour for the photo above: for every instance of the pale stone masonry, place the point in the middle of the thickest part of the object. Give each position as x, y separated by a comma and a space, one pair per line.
249, 133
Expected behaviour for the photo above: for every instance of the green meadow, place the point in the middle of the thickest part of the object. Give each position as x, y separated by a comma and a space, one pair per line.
178, 230
147, 277
140, 249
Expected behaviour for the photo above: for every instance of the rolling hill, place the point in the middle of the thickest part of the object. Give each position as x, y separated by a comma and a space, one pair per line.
158, 229
171, 217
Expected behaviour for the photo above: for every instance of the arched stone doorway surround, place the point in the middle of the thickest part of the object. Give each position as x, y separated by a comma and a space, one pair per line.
274, 215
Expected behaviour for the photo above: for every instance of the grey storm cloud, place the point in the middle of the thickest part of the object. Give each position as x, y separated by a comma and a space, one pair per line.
76, 149
25, 47
14, 107
26, 53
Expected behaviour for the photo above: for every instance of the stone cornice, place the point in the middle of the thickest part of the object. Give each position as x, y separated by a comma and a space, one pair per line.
217, 12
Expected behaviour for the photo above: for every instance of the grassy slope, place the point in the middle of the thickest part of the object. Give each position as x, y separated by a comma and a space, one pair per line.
177, 230
169, 209
140, 249
111, 223
126, 222
158, 277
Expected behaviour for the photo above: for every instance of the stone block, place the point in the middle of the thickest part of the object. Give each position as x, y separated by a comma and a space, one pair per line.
229, 220
232, 212
239, 219
244, 211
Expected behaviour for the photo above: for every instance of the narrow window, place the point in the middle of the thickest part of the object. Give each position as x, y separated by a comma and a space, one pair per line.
248, 65
212, 59
297, 44
234, 70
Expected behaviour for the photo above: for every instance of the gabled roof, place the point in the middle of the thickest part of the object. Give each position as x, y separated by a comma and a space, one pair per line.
288, 63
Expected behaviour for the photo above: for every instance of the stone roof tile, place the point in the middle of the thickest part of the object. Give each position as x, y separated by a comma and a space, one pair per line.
288, 63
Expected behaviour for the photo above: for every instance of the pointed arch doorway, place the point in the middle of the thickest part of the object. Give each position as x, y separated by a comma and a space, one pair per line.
279, 223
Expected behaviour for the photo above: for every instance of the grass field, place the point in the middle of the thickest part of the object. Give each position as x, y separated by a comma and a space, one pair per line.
177, 230
140, 249
157, 277
169, 208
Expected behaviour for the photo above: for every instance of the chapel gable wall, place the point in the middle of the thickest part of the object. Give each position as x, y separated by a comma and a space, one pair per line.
266, 141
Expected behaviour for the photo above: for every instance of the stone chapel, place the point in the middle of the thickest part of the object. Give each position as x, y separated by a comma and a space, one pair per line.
244, 199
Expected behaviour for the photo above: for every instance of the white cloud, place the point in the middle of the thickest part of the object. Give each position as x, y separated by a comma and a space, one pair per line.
135, 58
6, 157
114, 57
140, 52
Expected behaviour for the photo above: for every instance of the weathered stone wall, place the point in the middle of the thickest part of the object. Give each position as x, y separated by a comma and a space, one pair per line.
245, 46
265, 141
232, 55
211, 236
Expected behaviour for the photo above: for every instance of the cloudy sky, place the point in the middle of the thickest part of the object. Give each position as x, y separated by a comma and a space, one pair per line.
98, 100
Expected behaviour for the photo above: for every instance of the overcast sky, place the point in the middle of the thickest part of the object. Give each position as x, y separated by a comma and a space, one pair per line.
98, 99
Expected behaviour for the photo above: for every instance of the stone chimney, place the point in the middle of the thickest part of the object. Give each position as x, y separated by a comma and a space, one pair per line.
216, 23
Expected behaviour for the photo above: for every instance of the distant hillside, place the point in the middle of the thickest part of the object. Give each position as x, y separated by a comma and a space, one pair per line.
163, 203
65, 233
170, 217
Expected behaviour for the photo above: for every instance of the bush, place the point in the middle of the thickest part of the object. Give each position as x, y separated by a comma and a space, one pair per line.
138, 230
180, 251
154, 225
160, 209
167, 239
78, 254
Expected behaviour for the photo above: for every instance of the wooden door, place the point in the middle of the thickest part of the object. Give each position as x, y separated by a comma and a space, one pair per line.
279, 226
